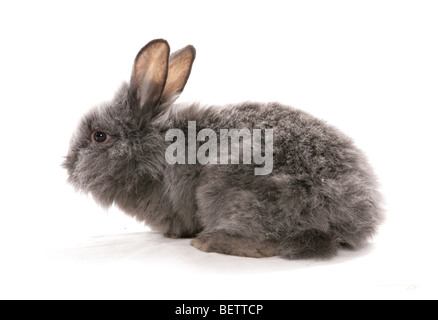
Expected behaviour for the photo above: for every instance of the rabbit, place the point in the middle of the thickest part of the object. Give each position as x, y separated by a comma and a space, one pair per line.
320, 196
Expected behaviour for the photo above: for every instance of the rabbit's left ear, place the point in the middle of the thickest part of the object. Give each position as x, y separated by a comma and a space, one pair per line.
148, 77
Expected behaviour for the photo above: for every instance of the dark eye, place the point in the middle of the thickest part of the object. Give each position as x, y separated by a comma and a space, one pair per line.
100, 137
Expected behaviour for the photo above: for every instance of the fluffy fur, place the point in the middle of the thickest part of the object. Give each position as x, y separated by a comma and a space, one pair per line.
320, 196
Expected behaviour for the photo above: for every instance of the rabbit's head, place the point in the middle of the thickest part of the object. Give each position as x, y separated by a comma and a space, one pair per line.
114, 146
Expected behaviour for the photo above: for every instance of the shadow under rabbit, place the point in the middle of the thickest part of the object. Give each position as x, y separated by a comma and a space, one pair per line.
153, 248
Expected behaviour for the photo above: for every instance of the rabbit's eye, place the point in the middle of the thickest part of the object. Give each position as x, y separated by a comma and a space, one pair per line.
100, 137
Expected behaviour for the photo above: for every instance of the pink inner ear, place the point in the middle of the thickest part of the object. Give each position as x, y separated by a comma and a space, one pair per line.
180, 66
150, 73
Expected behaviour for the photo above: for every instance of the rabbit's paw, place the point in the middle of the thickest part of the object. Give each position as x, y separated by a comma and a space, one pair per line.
171, 236
234, 245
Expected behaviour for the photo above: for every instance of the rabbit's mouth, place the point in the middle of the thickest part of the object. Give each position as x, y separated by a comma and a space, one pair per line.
88, 177
104, 175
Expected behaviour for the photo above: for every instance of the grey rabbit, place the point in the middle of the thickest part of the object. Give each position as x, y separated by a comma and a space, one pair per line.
321, 195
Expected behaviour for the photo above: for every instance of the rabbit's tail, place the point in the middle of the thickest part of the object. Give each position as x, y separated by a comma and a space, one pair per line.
310, 244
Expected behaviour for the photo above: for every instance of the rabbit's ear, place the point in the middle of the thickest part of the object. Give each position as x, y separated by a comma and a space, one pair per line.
180, 66
149, 76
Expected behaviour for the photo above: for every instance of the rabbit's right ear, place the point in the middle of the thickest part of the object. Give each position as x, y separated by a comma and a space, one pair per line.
148, 78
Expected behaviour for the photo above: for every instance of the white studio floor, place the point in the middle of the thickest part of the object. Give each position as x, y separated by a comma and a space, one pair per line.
368, 68
127, 261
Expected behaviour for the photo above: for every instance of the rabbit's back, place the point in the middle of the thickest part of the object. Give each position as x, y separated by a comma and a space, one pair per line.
320, 182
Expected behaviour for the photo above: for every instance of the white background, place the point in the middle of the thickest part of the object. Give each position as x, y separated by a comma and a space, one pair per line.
368, 67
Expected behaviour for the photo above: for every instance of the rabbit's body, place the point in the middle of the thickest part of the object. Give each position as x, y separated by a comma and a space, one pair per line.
320, 195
